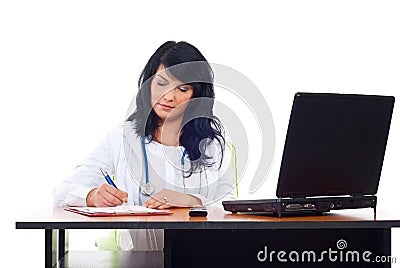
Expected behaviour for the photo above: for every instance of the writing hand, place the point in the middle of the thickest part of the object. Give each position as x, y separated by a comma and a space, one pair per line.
106, 196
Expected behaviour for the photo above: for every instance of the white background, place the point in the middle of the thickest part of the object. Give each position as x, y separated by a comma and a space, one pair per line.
68, 71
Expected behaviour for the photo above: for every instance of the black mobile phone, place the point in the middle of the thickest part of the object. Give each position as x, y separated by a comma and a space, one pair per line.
198, 212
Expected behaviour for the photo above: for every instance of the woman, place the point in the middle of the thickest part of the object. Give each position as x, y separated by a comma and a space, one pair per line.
169, 153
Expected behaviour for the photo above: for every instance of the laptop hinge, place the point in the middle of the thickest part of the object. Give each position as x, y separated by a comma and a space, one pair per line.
296, 196
357, 195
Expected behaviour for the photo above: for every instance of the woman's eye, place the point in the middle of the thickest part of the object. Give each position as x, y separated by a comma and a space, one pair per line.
161, 83
183, 89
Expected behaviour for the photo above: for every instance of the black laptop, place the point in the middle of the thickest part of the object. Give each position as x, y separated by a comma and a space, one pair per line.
333, 155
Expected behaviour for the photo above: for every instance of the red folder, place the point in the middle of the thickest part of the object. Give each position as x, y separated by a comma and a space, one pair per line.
89, 213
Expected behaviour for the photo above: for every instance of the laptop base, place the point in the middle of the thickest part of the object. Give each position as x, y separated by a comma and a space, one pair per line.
286, 206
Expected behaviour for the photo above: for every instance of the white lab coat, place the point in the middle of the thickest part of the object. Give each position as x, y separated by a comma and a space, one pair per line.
121, 155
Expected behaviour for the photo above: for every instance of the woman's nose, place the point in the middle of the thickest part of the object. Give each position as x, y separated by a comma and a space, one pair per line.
170, 94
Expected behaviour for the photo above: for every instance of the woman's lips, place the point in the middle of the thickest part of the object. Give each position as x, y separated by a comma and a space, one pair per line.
166, 107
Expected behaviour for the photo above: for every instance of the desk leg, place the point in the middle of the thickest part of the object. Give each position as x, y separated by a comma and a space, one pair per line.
55, 246
50, 247
62, 243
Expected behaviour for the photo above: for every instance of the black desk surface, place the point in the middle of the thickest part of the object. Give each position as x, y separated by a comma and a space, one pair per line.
58, 218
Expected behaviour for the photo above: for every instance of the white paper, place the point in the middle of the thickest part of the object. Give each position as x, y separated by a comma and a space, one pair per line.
124, 209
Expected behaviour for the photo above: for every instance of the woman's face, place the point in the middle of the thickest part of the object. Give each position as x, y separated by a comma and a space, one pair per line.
169, 97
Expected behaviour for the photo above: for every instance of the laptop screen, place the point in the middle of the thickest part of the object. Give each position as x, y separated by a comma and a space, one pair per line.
335, 145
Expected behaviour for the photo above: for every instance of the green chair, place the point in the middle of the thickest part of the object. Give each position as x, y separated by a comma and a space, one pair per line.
108, 243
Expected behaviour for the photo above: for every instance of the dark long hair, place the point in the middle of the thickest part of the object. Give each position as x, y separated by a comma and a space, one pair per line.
199, 125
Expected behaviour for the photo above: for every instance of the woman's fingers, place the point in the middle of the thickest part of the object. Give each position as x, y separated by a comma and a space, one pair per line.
116, 194
153, 202
103, 202
168, 198
164, 206
108, 196
163, 199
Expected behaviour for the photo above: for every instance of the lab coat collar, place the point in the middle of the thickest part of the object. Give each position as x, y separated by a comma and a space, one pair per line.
129, 134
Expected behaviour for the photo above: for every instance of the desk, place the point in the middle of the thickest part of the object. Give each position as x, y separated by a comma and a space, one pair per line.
224, 239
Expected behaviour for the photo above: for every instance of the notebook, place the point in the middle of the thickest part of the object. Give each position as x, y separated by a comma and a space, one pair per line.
333, 155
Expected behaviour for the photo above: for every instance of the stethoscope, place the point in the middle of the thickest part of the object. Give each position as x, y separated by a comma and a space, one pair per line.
147, 187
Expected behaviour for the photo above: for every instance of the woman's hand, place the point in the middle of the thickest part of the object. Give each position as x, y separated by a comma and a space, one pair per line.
106, 196
168, 198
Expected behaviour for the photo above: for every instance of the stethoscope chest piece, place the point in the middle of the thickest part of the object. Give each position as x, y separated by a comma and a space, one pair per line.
147, 188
